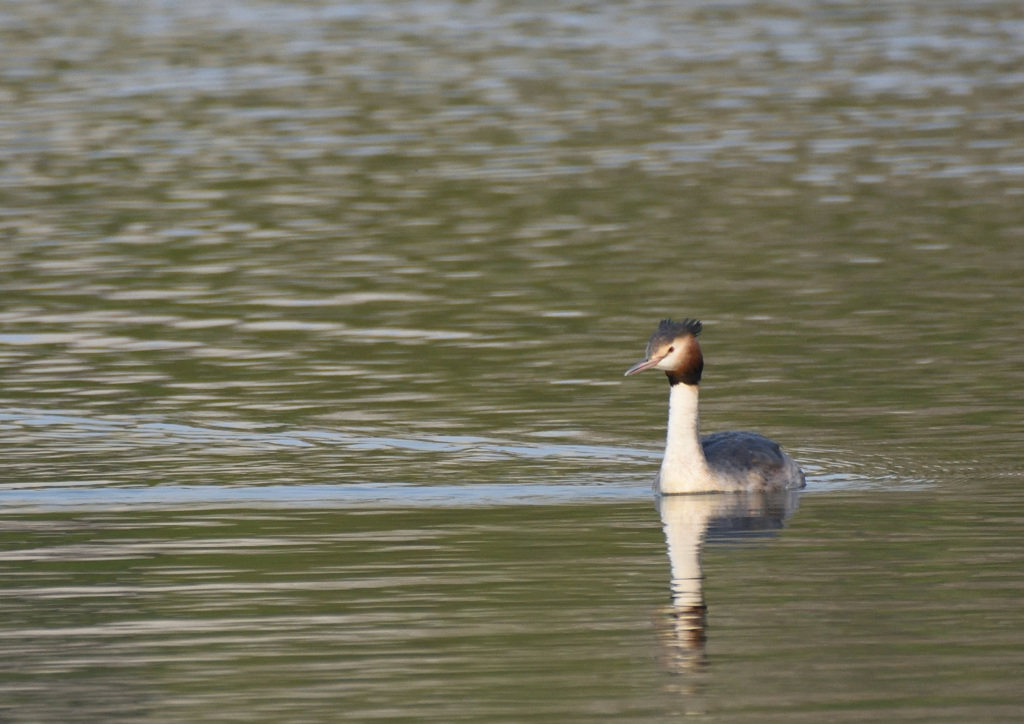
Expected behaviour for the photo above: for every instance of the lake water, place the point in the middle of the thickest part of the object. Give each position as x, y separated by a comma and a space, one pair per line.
313, 330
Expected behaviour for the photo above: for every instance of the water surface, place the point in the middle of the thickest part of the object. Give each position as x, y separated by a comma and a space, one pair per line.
314, 324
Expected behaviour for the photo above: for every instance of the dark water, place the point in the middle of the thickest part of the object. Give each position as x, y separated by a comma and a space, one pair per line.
313, 329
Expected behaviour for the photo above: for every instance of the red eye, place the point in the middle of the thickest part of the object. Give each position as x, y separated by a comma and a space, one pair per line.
671, 350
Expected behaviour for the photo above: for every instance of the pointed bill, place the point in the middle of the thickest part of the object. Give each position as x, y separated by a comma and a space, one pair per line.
644, 365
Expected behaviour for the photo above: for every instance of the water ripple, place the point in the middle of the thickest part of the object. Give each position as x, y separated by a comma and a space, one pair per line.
15, 499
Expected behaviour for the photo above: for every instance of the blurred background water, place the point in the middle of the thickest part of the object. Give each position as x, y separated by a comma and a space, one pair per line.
313, 329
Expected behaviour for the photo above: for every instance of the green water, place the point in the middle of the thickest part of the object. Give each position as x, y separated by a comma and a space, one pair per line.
313, 329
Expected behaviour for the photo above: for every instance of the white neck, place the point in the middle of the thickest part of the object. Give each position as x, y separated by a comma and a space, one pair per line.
684, 468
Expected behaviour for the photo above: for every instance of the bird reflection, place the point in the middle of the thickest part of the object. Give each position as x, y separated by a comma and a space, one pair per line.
689, 522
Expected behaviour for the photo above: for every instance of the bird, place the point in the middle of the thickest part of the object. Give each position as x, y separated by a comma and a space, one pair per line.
727, 462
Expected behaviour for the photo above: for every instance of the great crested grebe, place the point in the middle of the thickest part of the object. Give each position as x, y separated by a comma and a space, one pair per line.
720, 462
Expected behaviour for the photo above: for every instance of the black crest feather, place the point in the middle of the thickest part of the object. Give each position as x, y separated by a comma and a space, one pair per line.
668, 330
